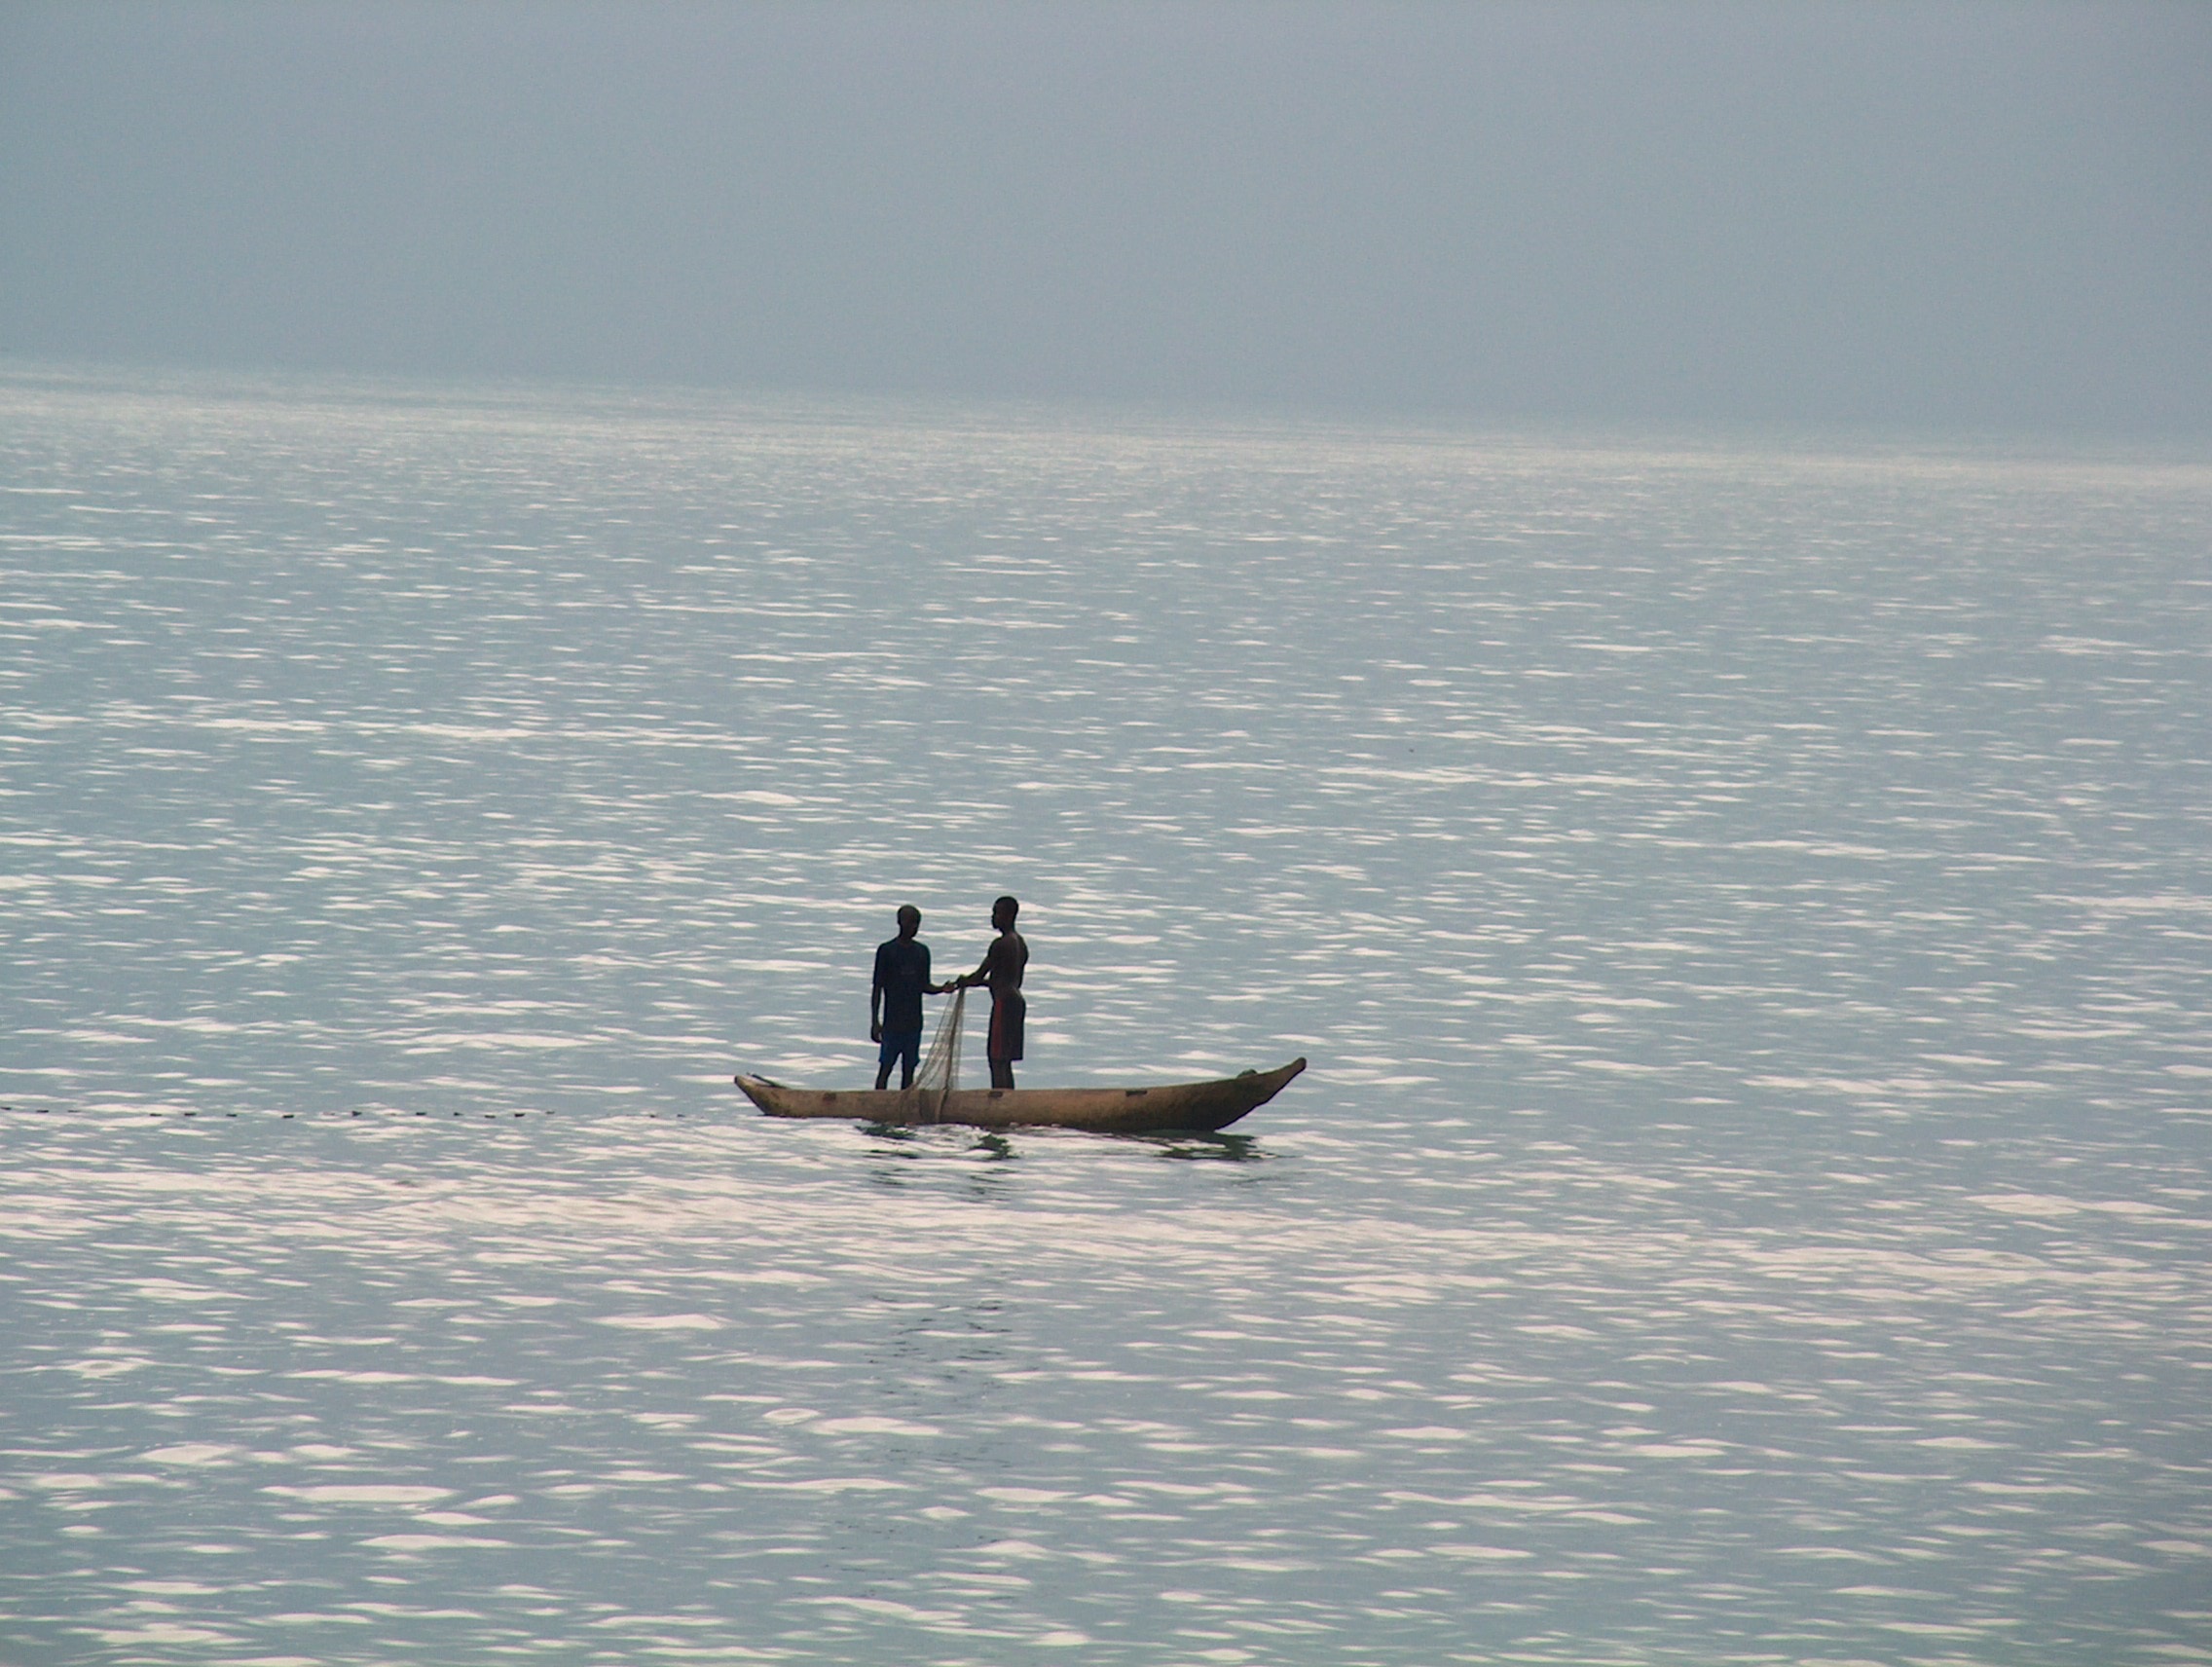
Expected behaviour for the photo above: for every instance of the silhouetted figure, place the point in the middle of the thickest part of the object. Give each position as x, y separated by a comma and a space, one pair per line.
894, 999
1004, 963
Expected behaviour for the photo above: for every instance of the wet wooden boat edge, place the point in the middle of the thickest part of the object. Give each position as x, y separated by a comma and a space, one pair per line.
1162, 1107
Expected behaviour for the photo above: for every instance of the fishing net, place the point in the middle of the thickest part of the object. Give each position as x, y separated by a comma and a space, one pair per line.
939, 1074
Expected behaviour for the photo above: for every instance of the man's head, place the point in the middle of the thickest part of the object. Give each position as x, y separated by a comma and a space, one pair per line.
910, 920
1003, 912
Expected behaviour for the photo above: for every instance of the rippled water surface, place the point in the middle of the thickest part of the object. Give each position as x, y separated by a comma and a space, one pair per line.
1749, 912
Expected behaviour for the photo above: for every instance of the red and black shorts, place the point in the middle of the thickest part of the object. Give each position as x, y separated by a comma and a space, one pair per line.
1007, 1013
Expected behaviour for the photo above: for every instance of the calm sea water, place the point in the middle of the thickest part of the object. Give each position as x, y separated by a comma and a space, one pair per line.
1750, 913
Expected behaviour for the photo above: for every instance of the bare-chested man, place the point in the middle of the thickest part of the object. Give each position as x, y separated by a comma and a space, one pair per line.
1004, 963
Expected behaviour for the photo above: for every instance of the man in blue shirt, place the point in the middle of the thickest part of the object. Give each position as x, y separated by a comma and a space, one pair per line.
894, 999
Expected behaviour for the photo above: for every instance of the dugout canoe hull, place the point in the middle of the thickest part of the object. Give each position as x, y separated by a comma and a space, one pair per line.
1165, 1108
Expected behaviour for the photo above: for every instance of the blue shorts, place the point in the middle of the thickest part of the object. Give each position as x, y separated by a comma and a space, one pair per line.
907, 1045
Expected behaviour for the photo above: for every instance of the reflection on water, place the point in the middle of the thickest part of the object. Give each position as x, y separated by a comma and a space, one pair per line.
1746, 913
1217, 1148
365, 1390
994, 1145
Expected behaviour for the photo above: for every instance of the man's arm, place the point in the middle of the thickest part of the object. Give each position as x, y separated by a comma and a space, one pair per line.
982, 973
875, 1001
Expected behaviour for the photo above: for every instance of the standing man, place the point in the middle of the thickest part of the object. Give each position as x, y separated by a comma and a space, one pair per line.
1004, 963
894, 999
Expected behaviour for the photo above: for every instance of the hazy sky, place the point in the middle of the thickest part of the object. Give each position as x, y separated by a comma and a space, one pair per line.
1935, 215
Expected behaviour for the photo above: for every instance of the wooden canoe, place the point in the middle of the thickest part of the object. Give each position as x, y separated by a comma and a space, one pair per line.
1168, 1107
